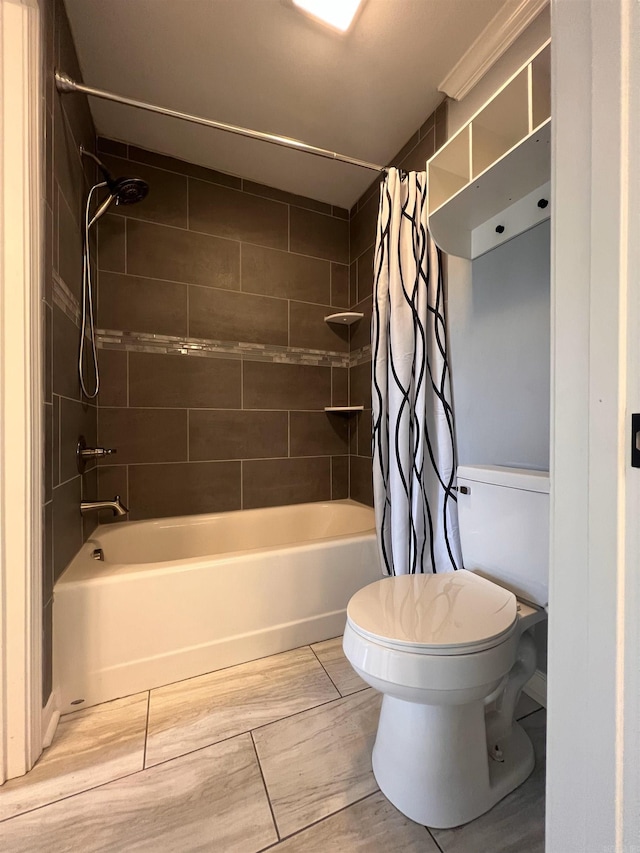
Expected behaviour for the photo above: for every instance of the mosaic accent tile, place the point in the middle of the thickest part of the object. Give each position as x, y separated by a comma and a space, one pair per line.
124, 341
65, 300
360, 356
140, 342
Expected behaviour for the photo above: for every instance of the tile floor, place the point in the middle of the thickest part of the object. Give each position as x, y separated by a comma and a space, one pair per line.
268, 755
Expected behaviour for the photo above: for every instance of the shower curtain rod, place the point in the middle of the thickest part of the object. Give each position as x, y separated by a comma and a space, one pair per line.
66, 84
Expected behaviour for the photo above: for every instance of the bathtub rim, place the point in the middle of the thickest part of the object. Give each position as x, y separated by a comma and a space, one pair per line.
107, 571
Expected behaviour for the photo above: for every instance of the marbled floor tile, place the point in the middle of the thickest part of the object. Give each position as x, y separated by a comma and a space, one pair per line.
373, 826
213, 799
319, 761
526, 705
340, 671
196, 713
89, 748
515, 824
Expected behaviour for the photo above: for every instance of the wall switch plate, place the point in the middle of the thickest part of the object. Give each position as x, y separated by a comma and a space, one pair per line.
635, 441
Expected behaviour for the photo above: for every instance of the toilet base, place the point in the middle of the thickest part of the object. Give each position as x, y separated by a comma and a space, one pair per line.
431, 761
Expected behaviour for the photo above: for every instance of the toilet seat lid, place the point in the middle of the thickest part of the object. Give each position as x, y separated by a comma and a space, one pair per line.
453, 613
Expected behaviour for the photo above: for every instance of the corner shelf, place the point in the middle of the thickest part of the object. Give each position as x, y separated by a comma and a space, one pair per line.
501, 160
344, 318
344, 410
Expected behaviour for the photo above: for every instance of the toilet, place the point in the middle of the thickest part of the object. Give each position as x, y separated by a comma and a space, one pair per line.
451, 653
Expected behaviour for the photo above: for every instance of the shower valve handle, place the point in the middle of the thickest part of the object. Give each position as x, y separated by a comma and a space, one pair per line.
85, 454
97, 452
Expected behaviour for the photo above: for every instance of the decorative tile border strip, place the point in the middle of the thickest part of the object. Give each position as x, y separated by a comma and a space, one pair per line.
148, 342
141, 342
65, 300
360, 356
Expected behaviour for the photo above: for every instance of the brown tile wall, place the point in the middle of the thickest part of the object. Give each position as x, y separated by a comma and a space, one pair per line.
213, 256
362, 226
217, 258
67, 124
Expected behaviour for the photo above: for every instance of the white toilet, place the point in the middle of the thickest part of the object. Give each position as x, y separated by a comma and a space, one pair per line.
451, 653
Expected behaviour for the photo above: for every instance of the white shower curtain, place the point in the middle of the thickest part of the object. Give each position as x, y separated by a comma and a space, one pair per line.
413, 431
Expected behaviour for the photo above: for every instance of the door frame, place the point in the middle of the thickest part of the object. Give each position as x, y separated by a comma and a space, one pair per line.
593, 781
21, 439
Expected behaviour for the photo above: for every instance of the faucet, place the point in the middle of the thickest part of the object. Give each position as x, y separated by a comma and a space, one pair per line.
117, 507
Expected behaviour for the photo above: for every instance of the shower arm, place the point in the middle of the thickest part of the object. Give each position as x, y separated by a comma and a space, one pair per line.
66, 84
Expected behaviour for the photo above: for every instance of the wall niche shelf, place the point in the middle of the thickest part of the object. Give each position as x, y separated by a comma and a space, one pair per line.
343, 410
490, 182
344, 318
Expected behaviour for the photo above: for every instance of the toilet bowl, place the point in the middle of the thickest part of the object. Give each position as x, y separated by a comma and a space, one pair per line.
451, 652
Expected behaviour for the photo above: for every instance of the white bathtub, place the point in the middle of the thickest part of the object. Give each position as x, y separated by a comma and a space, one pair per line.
178, 597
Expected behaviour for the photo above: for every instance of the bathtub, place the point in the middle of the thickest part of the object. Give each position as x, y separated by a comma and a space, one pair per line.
177, 597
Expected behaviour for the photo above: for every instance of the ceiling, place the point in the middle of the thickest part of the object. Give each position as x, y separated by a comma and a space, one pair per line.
262, 64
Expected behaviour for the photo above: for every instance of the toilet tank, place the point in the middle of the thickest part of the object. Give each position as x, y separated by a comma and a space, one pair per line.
503, 515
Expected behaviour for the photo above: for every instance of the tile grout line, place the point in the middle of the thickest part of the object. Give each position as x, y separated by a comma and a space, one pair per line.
242, 410
530, 714
146, 730
288, 323
241, 188
156, 223
7, 820
188, 335
99, 467
168, 760
242, 291
250, 731
146, 769
59, 427
326, 671
433, 838
83, 790
266, 790
322, 820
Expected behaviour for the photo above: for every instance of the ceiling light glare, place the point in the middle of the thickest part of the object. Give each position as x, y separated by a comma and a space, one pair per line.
336, 13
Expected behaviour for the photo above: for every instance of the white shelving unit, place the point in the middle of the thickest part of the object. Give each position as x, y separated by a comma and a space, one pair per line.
490, 181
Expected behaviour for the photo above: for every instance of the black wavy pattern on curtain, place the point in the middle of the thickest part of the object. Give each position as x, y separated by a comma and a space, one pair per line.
415, 276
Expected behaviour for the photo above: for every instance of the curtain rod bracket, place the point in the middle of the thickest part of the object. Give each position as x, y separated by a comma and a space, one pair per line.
64, 83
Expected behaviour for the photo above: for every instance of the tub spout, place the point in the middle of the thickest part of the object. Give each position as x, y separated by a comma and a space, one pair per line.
116, 506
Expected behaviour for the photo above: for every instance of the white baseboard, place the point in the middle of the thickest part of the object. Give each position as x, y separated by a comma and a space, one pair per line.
50, 718
536, 687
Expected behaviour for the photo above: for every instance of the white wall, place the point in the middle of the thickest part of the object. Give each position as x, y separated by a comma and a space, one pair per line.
499, 328
499, 341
